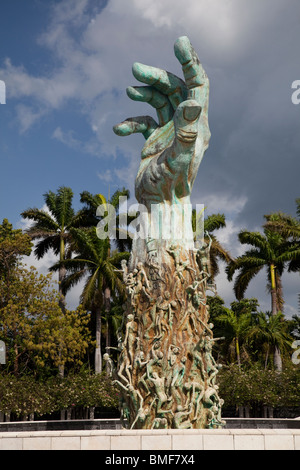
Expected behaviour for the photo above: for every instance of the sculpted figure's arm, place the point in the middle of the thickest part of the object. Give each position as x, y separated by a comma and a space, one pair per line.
176, 144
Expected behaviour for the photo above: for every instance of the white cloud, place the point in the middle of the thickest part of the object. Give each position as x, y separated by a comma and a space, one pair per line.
107, 176
68, 139
224, 203
27, 116
49, 259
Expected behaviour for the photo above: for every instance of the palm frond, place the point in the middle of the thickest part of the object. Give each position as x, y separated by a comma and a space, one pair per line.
292, 254
87, 242
117, 257
243, 279
50, 199
298, 207
72, 279
294, 266
250, 259
74, 265
43, 221
90, 288
78, 220
47, 243
214, 222
87, 198
115, 199
284, 224
255, 239
109, 273
64, 211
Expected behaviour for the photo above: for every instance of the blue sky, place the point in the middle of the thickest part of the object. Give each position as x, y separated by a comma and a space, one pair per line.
67, 63
33, 161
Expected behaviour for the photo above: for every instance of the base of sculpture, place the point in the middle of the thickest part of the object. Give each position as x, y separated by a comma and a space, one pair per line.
166, 372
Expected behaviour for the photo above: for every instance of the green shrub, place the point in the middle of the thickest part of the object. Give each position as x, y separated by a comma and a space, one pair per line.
256, 386
24, 395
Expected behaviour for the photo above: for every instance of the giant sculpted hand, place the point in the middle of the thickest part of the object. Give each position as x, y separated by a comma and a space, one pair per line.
175, 146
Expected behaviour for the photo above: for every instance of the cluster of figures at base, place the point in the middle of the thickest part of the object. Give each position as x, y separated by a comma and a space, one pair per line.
166, 372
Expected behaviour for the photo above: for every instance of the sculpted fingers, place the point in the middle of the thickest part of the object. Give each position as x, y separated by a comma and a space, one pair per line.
142, 124
156, 99
194, 74
163, 81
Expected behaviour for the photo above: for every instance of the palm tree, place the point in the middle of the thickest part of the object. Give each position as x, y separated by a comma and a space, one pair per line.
270, 333
52, 228
99, 268
289, 228
271, 251
217, 251
235, 329
113, 320
109, 218
119, 223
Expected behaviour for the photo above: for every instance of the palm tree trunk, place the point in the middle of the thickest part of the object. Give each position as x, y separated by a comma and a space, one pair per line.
277, 360
61, 276
61, 367
108, 336
237, 349
16, 360
267, 357
277, 355
98, 357
62, 301
273, 290
107, 296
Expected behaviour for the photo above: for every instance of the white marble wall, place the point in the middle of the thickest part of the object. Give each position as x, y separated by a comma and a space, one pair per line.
227, 439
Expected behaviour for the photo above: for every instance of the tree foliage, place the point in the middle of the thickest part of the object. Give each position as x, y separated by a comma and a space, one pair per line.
217, 251
256, 387
36, 332
14, 244
25, 395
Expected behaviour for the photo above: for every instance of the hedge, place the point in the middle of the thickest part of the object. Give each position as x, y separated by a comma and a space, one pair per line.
252, 387
24, 395
257, 386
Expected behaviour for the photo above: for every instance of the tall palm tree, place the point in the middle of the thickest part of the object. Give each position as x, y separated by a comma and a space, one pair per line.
270, 250
217, 251
52, 228
99, 268
108, 218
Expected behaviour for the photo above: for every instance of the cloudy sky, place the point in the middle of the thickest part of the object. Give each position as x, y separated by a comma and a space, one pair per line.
66, 65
